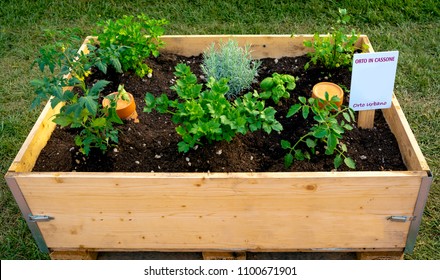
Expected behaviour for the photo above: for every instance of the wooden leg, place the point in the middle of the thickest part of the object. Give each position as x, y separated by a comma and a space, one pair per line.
380, 255
73, 255
224, 255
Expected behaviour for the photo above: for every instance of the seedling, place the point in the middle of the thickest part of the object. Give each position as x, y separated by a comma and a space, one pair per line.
138, 36
65, 84
327, 131
335, 50
276, 87
208, 114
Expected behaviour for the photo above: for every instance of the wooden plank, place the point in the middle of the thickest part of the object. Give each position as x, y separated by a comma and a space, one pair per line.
410, 150
390, 255
213, 256
222, 212
73, 255
274, 46
26, 157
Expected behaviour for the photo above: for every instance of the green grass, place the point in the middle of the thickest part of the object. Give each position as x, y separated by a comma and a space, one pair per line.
412, 27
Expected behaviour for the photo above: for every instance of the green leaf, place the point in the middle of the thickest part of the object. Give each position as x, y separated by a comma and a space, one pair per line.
265, 94
267, 84
150, 102
305, 111
285, 144
293, 110
310, 143
337, 161
90, 103
346, 116
183, 147
63, 120
320, 132
277, 126
332, 141
99, 122
288, 160
299, 155
98, 87
350, 163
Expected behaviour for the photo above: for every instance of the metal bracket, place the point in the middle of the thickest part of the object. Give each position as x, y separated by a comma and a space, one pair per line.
425, 185
26, 211
401, 219
39, 218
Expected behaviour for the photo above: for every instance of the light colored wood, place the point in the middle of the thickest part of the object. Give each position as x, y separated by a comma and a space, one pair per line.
36, 140
366, 119
310, 211
262, 46
410, 150
380, 255
214, 256
219, 211
73, 255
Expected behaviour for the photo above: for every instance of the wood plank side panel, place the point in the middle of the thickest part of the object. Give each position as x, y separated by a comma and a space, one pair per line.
409, 148
36, 140
262, 46
219, 213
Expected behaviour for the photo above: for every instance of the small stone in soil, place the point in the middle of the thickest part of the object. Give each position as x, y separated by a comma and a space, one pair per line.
363, 157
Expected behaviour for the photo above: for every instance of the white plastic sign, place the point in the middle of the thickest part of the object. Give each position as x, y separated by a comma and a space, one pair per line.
372, 80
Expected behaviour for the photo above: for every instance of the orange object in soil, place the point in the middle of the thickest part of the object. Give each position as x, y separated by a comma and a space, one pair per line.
124, 109
320, 89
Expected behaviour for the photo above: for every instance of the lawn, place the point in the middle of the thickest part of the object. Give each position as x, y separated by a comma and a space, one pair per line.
410, 26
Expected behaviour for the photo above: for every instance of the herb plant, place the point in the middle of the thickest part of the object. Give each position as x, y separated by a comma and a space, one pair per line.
65, 85
335, 50
208, 114
140, 38
327, 130
233, 63
275, 87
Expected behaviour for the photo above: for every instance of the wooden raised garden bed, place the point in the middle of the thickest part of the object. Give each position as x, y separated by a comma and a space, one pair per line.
377, 212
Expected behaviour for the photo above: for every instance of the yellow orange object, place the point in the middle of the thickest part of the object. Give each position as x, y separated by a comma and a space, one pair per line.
320, 89
124, 109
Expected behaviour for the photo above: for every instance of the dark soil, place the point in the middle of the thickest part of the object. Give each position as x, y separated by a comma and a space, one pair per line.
151, 144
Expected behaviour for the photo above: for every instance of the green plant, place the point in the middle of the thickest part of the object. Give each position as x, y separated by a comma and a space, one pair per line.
208, 114
327, 130
122, 94
275, 87
233, 63
336, 49
80, 108
140, 38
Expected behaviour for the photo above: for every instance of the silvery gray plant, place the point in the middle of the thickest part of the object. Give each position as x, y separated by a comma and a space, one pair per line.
233, 63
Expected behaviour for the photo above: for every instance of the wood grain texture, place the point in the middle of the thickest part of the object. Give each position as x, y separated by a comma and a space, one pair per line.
222, 212
410, 150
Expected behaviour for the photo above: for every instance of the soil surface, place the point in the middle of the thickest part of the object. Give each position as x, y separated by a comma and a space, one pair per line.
151, 144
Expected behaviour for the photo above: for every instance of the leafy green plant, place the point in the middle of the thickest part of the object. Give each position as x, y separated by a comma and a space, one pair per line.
233, 63
327, 130
208, 114
275, 87
80, 108
336, 49
140, 38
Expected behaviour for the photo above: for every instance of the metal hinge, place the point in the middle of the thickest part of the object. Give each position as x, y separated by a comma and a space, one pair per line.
401, 219
39, 218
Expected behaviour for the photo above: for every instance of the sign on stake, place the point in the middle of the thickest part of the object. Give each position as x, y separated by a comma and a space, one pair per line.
372, 84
